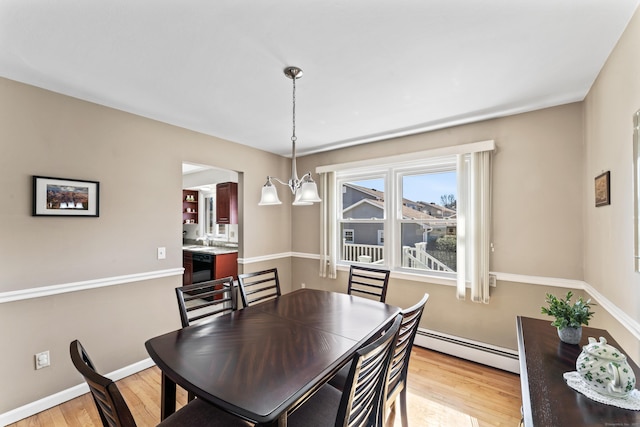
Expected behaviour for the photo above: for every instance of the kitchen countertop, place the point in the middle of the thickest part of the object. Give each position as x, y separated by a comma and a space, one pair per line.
213, 250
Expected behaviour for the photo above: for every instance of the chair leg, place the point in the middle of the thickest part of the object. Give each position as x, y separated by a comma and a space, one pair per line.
391, 414
403, 407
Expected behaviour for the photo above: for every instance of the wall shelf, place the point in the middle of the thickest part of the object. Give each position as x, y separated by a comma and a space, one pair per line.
190, 199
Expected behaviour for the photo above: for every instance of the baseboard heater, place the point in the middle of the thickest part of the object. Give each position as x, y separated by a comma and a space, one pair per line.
486, 354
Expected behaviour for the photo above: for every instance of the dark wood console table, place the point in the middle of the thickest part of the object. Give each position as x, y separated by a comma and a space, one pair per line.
547, 401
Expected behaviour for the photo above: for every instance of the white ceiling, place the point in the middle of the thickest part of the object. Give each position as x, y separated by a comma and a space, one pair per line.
372, 68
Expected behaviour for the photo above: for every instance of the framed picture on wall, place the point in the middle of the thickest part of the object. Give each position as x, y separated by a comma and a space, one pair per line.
65, 197
603, 189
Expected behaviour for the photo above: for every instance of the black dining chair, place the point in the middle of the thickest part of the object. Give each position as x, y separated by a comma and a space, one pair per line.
396, 383
259, 286
367, 281
202, 301
114, 411
359, 404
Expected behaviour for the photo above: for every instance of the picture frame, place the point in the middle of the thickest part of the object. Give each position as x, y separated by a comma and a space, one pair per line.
603, 189
65, 197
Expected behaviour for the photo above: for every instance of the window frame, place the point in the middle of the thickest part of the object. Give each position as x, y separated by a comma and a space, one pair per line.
478, 165
392, 175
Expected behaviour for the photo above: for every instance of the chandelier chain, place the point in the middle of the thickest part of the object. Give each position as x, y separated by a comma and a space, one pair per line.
293, 136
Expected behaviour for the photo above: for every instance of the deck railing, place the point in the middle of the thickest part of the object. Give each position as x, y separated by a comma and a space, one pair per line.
412, 257
418, 257
363, 253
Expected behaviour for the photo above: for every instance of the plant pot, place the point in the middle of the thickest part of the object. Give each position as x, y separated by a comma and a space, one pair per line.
570, 335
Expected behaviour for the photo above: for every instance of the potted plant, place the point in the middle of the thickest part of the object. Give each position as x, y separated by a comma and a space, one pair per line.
569, 317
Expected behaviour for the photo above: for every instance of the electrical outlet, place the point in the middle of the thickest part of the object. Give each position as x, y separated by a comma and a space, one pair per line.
492, 280
42, 360
303, 285
162, 253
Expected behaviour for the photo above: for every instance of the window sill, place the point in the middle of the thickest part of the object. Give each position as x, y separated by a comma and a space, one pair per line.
415, 277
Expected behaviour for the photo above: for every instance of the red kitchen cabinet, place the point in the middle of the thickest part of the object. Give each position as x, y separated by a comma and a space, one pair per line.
226, 265
227, 203
187, 263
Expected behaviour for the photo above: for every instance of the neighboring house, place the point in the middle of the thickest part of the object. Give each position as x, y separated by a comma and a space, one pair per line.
435, 210
354, 193
369, 204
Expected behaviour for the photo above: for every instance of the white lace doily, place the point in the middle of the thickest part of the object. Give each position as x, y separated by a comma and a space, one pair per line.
631, 401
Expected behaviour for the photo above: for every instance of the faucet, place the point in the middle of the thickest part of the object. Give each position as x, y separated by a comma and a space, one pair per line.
206, 240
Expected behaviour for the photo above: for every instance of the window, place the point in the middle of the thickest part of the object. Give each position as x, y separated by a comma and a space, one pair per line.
424, 213
209, 215
416, 212
347, 235
363, 216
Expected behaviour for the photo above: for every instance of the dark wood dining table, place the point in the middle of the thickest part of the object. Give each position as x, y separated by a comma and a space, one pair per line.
262, 361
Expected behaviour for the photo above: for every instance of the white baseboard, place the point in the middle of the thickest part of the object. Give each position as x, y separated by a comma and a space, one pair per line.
68, 394
486, 354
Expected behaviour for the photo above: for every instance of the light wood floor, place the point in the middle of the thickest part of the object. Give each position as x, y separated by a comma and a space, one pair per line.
443, 391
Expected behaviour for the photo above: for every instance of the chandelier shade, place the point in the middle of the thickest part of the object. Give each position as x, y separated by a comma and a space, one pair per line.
269, 194
305, 190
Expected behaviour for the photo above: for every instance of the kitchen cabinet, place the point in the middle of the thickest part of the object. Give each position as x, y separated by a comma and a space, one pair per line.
227, 203
190, 206
187, 263
218, 266
225, 265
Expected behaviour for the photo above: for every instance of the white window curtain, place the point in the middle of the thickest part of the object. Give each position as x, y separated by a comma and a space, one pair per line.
474, 224
328, 257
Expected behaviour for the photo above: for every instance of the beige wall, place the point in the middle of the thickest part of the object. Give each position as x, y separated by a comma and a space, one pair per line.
537, 219
608, 244
537, 198
112, 323
138, 164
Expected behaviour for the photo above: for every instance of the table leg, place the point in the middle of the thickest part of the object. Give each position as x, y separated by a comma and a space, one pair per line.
282, 420
168, 397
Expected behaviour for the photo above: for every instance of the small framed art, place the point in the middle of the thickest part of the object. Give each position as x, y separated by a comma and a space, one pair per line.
65, 197
603, 189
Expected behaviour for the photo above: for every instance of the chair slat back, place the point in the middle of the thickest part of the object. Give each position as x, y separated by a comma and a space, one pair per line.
111, 406
361, 404
259, 286
206, 300
368, 281
399, 364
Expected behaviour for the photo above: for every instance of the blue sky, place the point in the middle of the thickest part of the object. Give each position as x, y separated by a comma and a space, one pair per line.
426, 188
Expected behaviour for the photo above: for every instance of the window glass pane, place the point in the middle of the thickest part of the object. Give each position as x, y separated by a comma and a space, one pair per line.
430, 192
209, 215
429, 222
433, 247
364, 246
363, 199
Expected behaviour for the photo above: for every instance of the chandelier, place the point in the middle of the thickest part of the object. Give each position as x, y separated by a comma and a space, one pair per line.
304, 189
